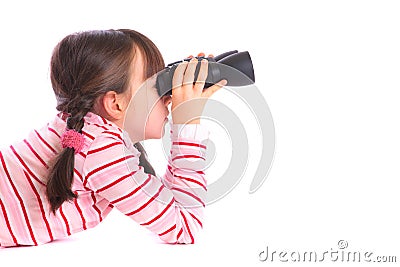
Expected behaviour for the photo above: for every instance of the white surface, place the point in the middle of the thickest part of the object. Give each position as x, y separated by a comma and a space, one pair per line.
330, 74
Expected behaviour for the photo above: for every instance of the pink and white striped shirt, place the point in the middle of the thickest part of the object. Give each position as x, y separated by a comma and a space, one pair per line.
106, 175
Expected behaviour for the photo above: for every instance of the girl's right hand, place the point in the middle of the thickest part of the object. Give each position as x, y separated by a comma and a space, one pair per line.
188, 98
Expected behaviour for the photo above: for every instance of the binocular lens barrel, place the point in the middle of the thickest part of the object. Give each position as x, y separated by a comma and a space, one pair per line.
224, 66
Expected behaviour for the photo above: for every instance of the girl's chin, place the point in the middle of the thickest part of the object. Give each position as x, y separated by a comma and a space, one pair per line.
157, 134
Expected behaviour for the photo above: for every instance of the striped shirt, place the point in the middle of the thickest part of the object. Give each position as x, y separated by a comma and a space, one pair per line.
106, 175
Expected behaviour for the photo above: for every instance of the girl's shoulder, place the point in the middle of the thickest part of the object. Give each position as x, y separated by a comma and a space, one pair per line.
95, 125
100, 132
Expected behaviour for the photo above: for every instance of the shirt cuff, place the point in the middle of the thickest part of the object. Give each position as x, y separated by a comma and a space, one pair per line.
190, 132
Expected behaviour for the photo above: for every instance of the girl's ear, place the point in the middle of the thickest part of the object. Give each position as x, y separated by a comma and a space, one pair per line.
114, 105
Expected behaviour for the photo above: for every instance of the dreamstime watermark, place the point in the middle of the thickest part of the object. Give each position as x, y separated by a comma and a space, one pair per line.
144, 101
339, 254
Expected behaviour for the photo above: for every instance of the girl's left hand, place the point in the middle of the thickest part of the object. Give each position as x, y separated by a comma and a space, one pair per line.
188, 95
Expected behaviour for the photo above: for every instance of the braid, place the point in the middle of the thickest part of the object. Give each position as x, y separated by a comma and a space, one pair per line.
58, 187
78, 107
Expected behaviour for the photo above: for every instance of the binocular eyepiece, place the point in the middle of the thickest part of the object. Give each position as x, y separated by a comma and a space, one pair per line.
224, 66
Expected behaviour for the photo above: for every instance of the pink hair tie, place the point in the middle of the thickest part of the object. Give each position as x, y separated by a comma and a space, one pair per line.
72, 139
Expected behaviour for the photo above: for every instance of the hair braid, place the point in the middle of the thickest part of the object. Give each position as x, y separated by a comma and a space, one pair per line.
59, 189
78, 108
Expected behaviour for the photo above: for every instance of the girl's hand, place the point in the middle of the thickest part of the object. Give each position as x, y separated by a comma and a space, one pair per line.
188, 99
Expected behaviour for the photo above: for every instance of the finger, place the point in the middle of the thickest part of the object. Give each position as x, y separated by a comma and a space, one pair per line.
201, 54
188, 77
201, 78
211, 90
178, 75
210, 55
191, 56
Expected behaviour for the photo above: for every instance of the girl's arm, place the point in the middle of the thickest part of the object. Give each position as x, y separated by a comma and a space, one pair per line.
171, 207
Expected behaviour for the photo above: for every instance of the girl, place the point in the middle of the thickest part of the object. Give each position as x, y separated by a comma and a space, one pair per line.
68, 175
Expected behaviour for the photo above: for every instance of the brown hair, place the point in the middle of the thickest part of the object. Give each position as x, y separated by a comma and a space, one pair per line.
84, 66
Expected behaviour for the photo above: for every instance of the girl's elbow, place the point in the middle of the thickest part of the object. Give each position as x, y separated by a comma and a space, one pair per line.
182, 236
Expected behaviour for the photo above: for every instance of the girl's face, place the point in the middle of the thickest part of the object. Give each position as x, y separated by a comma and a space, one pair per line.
147, 112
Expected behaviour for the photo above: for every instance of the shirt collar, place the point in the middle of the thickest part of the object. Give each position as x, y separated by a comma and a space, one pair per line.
91, 118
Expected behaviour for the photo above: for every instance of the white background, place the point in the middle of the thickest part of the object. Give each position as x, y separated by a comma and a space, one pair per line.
329, 71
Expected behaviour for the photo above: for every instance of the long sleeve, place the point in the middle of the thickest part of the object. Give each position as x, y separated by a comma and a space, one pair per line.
171, 206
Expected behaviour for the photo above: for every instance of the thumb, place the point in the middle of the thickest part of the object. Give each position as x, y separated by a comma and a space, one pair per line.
212, 89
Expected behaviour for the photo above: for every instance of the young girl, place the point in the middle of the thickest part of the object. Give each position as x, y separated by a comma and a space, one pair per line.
67, 176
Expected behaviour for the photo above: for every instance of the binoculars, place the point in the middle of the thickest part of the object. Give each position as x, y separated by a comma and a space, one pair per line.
226, 66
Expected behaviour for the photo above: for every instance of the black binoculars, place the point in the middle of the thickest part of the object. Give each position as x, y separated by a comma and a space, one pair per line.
224, 66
